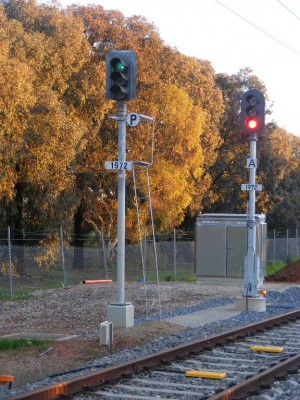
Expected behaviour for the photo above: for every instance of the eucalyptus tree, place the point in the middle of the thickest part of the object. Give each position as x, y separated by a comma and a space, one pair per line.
43, 49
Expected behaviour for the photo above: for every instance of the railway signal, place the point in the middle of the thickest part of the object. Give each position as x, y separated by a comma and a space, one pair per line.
252, 123
252, 112
121, 75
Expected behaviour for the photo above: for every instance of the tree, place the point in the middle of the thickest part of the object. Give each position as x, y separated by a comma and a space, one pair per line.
197, 78
44, 49
178, 156
157, 96
56, 137
279, 174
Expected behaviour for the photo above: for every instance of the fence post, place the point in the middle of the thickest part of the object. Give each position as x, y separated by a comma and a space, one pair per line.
297, 245
287, 245
104, 254
274, 247
10, 263
63, 256
174, 255
145, 256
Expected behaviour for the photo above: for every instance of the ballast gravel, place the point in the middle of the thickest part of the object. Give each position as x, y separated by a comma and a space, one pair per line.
278, 301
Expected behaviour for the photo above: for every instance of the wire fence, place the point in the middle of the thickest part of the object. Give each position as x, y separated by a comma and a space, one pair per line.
283, 246
34, 261
48, 260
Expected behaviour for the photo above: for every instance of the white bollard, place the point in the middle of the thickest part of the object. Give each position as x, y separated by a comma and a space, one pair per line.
106, 334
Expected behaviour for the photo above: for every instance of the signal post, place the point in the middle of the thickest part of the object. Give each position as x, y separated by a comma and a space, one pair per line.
252, 121
121, 86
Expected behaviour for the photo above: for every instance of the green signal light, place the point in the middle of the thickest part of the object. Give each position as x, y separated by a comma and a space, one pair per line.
118, 65
121, 75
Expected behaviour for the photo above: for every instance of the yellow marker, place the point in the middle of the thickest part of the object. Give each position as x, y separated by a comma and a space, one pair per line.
267, 349
205, 374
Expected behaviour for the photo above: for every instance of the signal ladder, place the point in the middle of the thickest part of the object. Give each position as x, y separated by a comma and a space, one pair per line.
142, 192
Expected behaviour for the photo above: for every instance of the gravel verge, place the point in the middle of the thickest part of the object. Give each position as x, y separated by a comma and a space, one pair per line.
280, 298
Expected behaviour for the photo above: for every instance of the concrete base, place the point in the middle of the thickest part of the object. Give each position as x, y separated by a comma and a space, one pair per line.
258, 304
121, 315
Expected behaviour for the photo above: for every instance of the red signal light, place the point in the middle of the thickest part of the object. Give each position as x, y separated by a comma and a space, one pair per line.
252, 123
252, 112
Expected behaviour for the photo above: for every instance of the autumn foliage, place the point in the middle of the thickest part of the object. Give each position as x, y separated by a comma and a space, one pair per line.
56, 137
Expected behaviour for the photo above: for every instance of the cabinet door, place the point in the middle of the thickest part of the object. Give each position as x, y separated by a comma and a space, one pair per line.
236, 250
211, 250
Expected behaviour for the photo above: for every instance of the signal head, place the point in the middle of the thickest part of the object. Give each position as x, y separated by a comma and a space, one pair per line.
121, 75
252, 112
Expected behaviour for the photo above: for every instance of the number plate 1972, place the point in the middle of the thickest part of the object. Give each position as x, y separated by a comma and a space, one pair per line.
248, 186
120, 165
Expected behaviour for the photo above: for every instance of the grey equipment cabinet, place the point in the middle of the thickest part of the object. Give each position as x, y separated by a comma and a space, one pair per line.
221, 244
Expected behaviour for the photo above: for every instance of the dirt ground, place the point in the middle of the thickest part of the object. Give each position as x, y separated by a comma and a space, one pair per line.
60, 356
291, 273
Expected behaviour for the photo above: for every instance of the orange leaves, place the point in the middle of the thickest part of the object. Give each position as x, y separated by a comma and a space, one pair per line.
53, 125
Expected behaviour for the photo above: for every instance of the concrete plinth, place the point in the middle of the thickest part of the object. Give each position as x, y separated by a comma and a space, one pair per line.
258, 304
121, 315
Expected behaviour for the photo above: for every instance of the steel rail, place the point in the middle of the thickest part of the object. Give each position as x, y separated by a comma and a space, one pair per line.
89, 380
260, 379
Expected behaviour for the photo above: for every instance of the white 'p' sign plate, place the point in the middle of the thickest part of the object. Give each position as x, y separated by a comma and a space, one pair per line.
133, 119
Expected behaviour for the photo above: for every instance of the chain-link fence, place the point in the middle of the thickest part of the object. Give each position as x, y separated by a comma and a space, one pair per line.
44, 260
47, 260
283, 245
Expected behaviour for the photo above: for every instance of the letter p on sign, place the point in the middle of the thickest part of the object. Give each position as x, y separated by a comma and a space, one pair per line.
133, 119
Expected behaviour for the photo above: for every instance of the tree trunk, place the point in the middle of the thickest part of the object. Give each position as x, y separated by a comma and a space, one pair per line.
78, 260
17, 237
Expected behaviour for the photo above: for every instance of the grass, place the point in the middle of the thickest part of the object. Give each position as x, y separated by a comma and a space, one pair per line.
291, 260
272, 268
21, 344
23, 293
43, 279
168, 275
164, 273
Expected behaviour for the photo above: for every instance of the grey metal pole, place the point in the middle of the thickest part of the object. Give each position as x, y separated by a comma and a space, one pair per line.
287, 245
104, 254
63, 256
174, 253
121, 314
274, 245
122, 112
10, 263
252, 263
297, 246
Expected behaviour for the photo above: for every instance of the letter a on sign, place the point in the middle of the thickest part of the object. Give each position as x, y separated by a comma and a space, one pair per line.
251, 163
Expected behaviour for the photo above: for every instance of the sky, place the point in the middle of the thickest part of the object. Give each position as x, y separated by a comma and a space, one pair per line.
261, 34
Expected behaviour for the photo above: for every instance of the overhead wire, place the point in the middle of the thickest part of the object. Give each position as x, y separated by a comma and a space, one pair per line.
292, 49
283, 5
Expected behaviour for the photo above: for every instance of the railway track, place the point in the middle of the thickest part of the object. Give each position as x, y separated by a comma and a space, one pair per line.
235, 367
